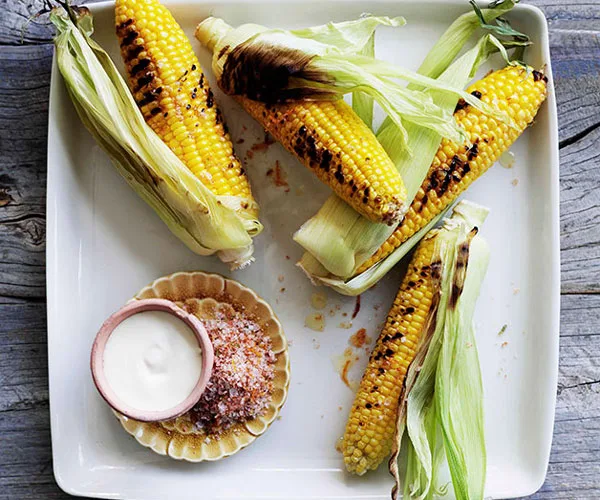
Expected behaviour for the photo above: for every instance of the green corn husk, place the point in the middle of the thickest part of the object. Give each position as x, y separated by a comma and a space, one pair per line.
351, 239
206, 223
337, 240
441, 409
362, 103
326, 62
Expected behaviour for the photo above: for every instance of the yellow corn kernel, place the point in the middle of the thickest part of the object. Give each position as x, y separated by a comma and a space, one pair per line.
170, 88
332, 141
519, 92
373, 414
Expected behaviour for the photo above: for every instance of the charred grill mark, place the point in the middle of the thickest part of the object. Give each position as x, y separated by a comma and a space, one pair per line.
150, 96
144, 80
473, 151
133, 53
201, 81
155, 111
460, 272
538, 75
462, 104
125, 24
129, 38
140, 66
275, 65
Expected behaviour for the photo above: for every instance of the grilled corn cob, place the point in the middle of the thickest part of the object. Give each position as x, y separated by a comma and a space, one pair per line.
332, 141
170, 88
372, 421
515, 90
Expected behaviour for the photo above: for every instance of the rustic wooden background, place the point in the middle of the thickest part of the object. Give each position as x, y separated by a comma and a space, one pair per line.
25, 60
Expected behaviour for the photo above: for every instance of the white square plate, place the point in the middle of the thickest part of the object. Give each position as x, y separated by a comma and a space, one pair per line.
104, 244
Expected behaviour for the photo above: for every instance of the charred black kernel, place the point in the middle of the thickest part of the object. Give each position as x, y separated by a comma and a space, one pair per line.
377, 356
133, 52
461, 104
381, 371
131, 36
193, 67
411, 284
397, 336
389, 352
538, 75
210, 99
377, 199
473, 152
302, 130
376, 387
166, 114
367, 191
476, 93
155, 111
218, 117
351, 182
125, 24
148, 98
201, 81
193, 95
424, 274
188, 106
242, 171
365, 199
368, 406
339, 177
410, 310
354, 188
144, 80
230, 165
326, 160
140, 66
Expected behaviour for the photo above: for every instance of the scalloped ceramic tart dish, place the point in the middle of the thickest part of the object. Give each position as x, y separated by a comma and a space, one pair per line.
250, 374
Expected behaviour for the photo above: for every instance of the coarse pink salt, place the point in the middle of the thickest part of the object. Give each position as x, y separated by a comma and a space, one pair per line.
242, 379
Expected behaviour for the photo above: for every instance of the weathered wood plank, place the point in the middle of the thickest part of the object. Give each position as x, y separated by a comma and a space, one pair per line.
580, 214
24, 88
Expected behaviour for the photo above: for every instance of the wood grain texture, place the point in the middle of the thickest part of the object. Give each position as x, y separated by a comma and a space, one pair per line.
25, 60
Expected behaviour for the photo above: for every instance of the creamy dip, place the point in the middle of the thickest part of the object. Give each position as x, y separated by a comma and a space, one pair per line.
152, 361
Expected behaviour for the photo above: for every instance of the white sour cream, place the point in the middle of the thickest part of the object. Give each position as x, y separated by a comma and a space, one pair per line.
152, 361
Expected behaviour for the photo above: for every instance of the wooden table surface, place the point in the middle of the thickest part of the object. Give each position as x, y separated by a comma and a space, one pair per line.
25, 61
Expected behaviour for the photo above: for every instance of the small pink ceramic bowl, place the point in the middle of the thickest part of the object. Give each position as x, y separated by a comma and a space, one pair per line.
97, 359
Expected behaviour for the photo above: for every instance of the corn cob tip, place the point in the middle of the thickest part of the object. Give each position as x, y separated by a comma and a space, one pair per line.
516, 90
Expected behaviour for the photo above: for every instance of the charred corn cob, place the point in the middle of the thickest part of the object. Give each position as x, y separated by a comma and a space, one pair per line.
333, 142
372, 421
170, 88
515, 90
